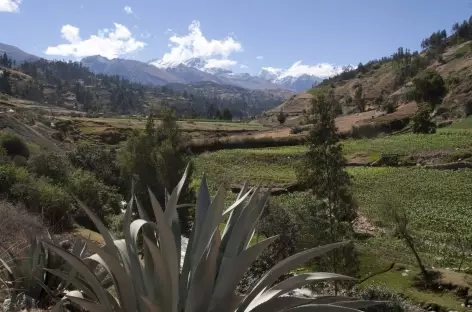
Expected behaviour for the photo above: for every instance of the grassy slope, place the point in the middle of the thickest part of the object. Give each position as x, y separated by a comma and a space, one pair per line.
433, 198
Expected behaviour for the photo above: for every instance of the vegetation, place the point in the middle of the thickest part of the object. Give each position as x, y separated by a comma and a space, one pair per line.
154, 160
397, 216
422, 120
337, 208
214, 263
281, 117
71, 85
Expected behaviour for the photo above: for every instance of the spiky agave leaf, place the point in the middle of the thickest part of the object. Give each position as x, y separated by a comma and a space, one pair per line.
213, 266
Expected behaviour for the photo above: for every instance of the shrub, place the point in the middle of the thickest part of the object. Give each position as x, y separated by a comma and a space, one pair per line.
213, 263
13, 145
50, 165
372, 129
101, 198
98, 160
422, 120
39, 196
281, 117
393, 301
29, 275
17, 225
389, 106
296, 130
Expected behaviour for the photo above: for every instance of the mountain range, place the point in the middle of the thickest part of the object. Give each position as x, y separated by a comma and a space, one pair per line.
190, 71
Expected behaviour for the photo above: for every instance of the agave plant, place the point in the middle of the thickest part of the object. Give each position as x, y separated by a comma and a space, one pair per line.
28, 274
213, 266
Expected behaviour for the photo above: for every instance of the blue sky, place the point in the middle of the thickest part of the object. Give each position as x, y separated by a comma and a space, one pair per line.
243, 35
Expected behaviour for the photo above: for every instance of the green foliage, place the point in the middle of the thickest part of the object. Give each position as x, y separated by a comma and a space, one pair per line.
154, 159
29, 274
281, 117
359, 99
429, 87
423, 193
396, 216
102, 199
4, 159
101, 161
213, 265
324, 159
5, 85
13, 145
50, 165
39, 196
422, 120
393, 301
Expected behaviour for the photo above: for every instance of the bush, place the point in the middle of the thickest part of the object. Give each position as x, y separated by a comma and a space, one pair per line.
50, 201
422, 120
99, 197
17, 225
13, 145
50, 165
296, 130
372, 129
389, 106
39, 196
99, 160
395, 302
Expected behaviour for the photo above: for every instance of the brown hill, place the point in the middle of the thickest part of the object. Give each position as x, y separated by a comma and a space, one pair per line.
455, 66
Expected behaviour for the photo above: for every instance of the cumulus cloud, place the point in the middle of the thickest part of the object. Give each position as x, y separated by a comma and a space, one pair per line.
242, 66
219, 63
128, 10
259, 57
109, 43
196, 45
10, 5
322, 70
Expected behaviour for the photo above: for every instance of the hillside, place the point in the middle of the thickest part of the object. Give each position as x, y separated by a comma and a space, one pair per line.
16, 54
389, 81
58, 85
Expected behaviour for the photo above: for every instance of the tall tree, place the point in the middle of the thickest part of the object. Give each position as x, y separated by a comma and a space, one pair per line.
359, 98
5, 86
322, 170
154, 159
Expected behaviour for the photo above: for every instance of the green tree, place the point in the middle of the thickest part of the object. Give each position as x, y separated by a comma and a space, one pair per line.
281, 117
359, 99
422, 120
322, 170
227, 115
154, 158
397, 218
430, 87
5, 85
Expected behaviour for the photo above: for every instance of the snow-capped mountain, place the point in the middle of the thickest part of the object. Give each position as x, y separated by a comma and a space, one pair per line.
197, 69
295, 83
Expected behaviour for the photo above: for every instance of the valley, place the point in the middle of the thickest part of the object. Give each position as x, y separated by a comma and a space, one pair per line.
380, 152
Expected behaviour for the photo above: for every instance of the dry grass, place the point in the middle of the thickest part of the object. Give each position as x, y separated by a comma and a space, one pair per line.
17, 226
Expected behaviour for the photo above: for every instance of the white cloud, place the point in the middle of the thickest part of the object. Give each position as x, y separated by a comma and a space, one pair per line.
319, 70
219, 63
322, 70
128, 10
70, 33
109, 43
274, 70
195, 44
10, 5
259, 57
242, 66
